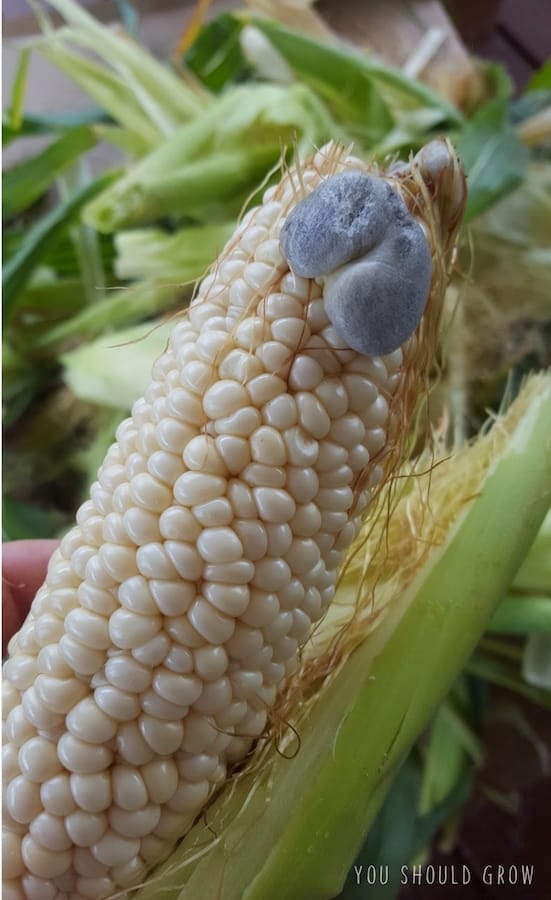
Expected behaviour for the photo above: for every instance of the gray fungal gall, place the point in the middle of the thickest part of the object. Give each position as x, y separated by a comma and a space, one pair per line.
345, 217
377, 302
355, 233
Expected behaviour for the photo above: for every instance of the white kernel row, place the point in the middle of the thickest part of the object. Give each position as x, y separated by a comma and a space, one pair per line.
176, 607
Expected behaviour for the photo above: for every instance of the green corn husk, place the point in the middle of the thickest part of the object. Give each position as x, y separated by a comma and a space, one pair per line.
536, 664
535, 572
25, 182
118, 308
522, 614
363, 88
17, 271
142, 94
181, 257
215, 161
115, 368
292, 822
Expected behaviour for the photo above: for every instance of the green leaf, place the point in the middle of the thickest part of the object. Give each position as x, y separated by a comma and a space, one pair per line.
23, 184
21, 382
337, 76
117, 308
399, 833
360, 91
445, 763
216, 56
535, 573
500, 83
522, 615
457, 722
536, 663
108, 90
162, 99
47, 294
494, 157
122, 138
18, 90
32, 124
506, 673
541, 80
530, 104
391, 839
18, 270
60, 258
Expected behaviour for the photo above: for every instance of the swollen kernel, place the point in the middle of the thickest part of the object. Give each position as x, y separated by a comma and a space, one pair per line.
211, 624
120, 705
128, 629
23, 799
262, 608
253, 537
274, 505
132, 746
42, 862
179, 689
162, 737
38, 713
89, 723
89, 628
135, 824
92, 793
241, 423
81, 757
224, 398
112, 849
214, 513
60, 694
265, 387
38, 759
210, 662
17, 728
198, 487
149, 492
49, 831
219, 545
279, 537
178, 524
267, 446
215, 697
235, 452
239, 572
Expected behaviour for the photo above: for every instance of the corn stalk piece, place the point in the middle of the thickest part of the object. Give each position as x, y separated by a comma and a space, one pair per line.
173, 612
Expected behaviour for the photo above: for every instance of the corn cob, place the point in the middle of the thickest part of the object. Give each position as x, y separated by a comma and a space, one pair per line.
175, 609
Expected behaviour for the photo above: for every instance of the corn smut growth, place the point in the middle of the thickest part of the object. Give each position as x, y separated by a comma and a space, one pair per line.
174, 611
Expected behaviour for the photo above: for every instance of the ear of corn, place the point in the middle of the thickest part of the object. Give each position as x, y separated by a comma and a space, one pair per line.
291, 823
174, 610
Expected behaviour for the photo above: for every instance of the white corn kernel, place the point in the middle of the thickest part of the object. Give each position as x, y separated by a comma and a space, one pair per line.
38, 759
208, 549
